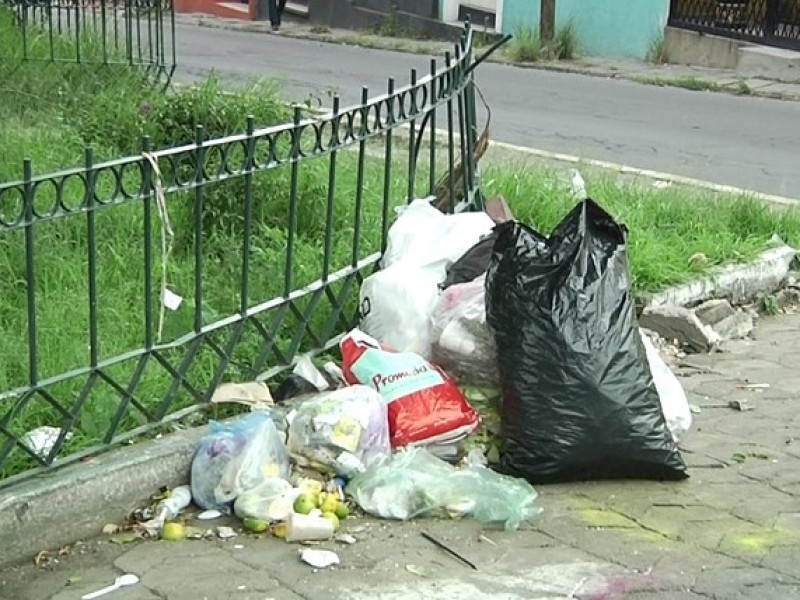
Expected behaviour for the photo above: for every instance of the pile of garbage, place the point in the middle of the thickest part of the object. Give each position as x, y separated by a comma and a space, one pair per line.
292, 469
465, 308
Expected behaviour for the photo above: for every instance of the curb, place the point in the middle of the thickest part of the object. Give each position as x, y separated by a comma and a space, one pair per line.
649, 174
563, 67
621, 169
73, 503
738, 284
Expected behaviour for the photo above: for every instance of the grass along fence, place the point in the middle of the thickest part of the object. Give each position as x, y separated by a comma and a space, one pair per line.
265, 235
121, 32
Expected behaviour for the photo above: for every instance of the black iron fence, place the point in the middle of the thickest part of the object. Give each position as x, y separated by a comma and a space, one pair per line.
769, 22
132, 288
138, 33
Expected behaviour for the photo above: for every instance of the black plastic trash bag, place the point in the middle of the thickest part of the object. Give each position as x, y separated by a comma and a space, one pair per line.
578, 398
294, 385
472, 264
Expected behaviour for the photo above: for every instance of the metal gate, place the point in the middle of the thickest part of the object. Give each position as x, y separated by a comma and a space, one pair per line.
769, 22
139, 33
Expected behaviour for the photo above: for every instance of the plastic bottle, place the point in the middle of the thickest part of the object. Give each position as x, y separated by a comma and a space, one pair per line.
169, 508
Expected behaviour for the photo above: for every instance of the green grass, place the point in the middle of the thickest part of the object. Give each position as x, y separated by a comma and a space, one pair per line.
742, 89
525, 46
688, 82
667, 226
566, 43
112, 108
657, 50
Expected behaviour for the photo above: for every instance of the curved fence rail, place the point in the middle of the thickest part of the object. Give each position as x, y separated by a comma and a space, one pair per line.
137, 33
215, 261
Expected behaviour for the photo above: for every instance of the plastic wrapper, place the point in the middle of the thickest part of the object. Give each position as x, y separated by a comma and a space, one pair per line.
415, 484
271, 500
340, 432
396, 305
674, 403
425, 406
578, 398
464, 345
235, 457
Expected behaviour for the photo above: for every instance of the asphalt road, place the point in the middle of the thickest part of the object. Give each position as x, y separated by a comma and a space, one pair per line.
742, 141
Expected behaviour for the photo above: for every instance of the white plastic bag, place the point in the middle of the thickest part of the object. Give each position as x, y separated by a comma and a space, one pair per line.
235, 457
463, 344
423, 235
306, 369
396, 307
674, 404
348, 427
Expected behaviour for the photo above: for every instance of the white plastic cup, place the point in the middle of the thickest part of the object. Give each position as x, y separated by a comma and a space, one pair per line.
305, 528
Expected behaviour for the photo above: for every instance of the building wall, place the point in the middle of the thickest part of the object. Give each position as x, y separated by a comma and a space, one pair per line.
614, 28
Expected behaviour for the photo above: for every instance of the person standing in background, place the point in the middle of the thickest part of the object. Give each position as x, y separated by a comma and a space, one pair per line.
275, 13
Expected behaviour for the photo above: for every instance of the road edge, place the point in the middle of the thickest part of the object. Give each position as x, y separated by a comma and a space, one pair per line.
732, 89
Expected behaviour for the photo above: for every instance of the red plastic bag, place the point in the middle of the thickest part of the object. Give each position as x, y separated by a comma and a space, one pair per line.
424, 405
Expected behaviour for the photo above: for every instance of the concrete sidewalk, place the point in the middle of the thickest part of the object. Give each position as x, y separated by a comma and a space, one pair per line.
731, 531
672, 75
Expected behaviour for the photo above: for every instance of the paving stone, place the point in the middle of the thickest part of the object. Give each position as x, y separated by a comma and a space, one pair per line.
93, 580
764, 512
671, 595
785, 560
751, 542
772, 592
733, 583
159, 563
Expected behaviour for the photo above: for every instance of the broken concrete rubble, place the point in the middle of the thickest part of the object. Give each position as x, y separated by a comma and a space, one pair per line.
680, 324
699, 329
728, 322
714, 311
735, 326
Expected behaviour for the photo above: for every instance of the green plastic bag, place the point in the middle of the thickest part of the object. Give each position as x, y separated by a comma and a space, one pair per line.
414, 483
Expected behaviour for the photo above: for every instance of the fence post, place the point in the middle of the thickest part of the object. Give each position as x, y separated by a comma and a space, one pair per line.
771, 18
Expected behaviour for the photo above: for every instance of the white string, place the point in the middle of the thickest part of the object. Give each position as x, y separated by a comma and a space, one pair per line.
167, 237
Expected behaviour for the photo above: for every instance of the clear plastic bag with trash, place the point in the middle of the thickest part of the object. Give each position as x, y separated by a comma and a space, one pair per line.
463, 344
416, 484
340, 432
237, 456
271, 500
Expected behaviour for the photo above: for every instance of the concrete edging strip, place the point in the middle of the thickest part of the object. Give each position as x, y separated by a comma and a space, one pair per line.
75, 502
